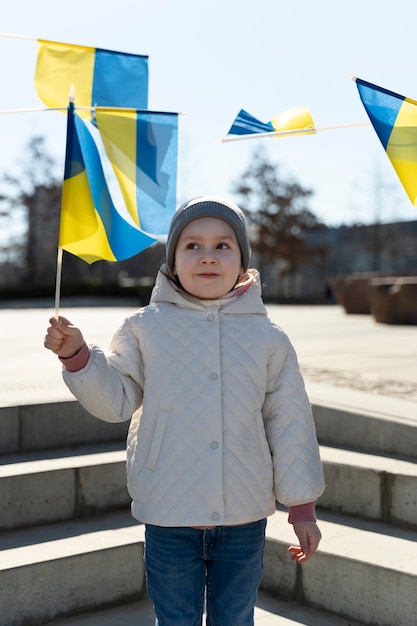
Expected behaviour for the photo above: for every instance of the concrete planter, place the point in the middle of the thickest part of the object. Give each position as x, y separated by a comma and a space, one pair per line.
351, 292
394, 300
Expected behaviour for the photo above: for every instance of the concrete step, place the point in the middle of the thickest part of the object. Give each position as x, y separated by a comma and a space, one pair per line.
49, 486
53, 425
370, 486
71, 567
62, 424
269, 611
364, 571
39, 488
375, 426
63, 563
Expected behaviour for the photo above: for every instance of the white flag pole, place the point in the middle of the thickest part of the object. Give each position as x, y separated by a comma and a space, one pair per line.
18, 36
60, 252
58, 280
40, 110
285, 133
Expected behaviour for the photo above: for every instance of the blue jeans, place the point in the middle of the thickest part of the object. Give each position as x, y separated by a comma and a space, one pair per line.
223, 565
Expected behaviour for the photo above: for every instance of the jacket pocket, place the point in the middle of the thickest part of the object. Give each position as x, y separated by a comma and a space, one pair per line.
157, 438
262, 438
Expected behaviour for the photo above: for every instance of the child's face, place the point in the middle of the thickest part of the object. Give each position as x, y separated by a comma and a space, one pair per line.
207, 258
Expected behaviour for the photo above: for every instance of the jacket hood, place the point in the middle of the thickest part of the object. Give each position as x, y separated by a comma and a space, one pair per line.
249, 302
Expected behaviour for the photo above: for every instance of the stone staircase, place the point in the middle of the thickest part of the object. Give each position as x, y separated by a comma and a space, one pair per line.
69, 546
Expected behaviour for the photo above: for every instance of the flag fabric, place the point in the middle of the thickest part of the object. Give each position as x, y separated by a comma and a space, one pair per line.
100, 77
297, 118
90, 226
394, 119
246, 124
142, 147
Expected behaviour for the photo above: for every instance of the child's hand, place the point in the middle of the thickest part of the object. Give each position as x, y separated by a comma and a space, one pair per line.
63, 338
309, 536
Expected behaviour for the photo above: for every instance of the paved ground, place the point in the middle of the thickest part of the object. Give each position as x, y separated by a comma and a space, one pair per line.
346, 359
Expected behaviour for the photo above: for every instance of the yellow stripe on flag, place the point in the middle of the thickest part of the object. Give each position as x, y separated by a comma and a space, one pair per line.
81, 229
118, 133
58, 67
402, 148
297, 118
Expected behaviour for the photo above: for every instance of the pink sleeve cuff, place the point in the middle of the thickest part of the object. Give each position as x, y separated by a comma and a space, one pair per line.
78, 361
302, 513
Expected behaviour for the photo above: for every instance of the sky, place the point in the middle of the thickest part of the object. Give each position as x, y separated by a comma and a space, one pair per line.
210, 58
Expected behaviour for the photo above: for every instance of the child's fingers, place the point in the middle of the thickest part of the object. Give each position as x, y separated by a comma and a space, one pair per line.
304, 552
53, 339
299, 555
62, 327
63, 338
297, 552
309, 536
54, 335
62, 323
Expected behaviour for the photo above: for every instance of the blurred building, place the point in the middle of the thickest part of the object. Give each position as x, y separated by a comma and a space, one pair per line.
384, 249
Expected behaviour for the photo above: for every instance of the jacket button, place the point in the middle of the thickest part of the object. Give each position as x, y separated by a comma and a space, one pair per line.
215, 516
213, 376
214, 445
210, 317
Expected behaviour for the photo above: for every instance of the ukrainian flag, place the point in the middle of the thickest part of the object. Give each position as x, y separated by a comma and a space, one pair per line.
142, 147
394, 119
297, 118
100, 77
90, 226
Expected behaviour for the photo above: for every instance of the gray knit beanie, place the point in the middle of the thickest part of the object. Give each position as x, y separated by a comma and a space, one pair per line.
205, 206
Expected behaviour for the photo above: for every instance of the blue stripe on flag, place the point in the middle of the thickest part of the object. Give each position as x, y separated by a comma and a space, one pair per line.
246, 124
156, 169
120, 80
124, 239
382, 107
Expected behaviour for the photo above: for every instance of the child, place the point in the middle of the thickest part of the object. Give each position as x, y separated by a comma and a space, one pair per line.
221, 426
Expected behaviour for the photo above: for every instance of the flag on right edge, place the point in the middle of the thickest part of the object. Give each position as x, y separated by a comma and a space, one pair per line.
394, 119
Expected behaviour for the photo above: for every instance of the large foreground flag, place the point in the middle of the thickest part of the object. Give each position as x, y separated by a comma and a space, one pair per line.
297, 118
91, 227
142, 147
100, 77
394, 119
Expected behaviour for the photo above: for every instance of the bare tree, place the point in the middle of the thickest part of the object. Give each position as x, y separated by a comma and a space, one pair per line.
31, 202
278, 216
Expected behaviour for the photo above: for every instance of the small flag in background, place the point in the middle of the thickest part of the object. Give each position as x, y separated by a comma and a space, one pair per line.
142, 147
297, 118
100, 77
394, 119
246, 124
91, 227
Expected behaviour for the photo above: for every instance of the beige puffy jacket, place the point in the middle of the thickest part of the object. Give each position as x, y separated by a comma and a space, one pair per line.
221, 426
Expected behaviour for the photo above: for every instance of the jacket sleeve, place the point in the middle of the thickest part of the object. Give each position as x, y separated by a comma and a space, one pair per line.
110, 386
290, 429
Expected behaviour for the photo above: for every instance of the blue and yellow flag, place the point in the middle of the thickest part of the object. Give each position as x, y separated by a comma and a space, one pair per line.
297, 118
394, 119
142, 147
100, 77
91, 227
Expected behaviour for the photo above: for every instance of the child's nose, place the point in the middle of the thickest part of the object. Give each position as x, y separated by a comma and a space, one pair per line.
208, 256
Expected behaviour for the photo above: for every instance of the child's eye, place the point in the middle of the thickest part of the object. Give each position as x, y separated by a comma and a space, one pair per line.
222, 246
192, 246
